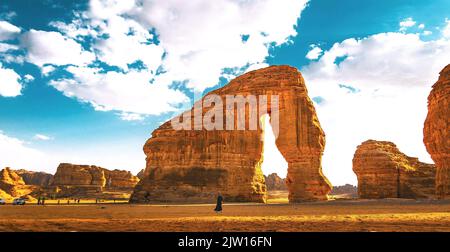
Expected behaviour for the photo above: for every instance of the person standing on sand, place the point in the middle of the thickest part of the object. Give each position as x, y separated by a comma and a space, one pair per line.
218, 208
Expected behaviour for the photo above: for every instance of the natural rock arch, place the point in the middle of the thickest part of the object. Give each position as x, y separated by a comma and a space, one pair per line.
193, 165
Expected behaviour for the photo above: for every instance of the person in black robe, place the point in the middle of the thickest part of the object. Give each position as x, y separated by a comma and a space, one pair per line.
218, 208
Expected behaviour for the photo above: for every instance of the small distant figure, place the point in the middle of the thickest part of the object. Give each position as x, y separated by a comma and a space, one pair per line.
147, 197
78, 201
218, 208
68, 202
58, 202
39, 200
43, 201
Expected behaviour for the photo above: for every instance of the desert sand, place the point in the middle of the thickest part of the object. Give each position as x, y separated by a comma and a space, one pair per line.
335, 215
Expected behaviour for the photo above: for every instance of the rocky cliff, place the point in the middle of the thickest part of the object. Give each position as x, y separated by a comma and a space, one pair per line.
41, 179
191, 165
275, 183
85, 179
141, 174
385, 172
436, 131
12, 185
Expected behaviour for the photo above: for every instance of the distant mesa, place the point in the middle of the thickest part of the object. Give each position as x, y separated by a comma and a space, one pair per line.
347, 191
436, 131
194, 165
275, 183
72, 180
35, 178
385, 172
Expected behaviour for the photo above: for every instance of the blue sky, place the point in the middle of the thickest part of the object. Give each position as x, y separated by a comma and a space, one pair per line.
60, 114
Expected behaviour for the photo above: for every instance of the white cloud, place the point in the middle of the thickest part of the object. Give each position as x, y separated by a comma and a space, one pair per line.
7, 47
314, 53
387, 79
406, 23
131, 116
200, 55
28, 78
47, 69
8, 31
446, 30
14, 150
53, 48
128, 92
42, 137
187, 49
421, 26
9, 82
427, 33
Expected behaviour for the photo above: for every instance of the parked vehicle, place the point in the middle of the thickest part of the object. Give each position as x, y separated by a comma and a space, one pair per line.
18, 201
2, 201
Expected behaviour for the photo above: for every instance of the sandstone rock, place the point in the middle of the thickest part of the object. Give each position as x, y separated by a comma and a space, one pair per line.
193, 165
12, 185
87, 180
436, 131
35, 178
385, 172
347, 190
275, 183
141, 175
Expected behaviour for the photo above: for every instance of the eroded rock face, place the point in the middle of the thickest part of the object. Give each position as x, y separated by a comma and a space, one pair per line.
275, 183
12, 185
41, 179
193, 165
140, 174
82, 180
436, 131
385, 172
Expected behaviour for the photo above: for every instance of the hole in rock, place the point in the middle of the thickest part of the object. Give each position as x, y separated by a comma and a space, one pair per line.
273, 162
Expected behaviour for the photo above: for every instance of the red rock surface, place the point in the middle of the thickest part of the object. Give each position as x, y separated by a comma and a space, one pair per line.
385, 172
193, 165
436, 131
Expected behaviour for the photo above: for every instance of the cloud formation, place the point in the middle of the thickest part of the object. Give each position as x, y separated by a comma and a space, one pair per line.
10, 85
127, 55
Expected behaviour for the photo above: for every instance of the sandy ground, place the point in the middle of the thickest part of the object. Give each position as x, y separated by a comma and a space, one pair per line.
336, 215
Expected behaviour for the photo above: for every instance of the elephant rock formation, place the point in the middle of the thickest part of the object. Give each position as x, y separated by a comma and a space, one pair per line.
194, 164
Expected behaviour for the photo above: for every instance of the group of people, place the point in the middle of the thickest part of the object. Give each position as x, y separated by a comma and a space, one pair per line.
41, 200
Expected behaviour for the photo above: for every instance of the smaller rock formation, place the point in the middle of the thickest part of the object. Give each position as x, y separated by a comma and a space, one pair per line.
275, 183
385, 172
12, 185
436, 131
90, 181
41, 179
347, 191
